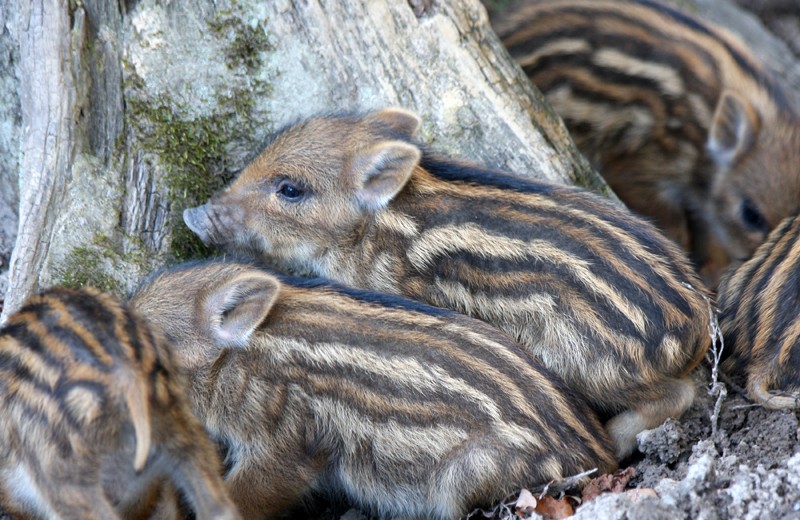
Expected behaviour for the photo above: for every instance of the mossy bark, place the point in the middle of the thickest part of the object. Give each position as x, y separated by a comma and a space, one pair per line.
135, 110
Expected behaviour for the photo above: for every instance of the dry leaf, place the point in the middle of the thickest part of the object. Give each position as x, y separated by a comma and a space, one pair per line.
554, 509
608, 483
526, 503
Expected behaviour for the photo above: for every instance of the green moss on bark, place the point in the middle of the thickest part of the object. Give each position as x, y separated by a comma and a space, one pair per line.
247, 43
92, 264
86, 266
193, 150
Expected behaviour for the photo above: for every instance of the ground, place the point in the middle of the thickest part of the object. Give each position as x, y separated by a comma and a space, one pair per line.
749, 469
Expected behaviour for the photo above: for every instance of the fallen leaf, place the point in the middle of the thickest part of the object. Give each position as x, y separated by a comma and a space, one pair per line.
526, 503
553, 509
608, 483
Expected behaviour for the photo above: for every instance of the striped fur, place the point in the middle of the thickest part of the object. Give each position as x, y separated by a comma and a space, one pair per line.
404, 409
760, 319
597, 294
679, 117
94, 420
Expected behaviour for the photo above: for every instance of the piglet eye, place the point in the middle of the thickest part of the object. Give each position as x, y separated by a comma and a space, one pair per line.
290, 191
753, 218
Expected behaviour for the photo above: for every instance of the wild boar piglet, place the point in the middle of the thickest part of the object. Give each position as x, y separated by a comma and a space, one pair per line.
95, 423
759, 305
681, 118
403, 409
599, 295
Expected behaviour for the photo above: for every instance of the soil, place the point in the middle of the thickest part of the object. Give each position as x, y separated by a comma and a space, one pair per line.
749, 468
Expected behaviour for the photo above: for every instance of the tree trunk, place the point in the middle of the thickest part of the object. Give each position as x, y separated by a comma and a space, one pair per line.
134, 110
9, 143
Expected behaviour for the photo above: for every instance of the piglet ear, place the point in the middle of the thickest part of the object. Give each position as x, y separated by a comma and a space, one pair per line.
733, 129
382, 171
232, 310
403, 121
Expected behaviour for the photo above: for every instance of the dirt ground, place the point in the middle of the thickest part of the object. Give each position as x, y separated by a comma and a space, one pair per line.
749, 469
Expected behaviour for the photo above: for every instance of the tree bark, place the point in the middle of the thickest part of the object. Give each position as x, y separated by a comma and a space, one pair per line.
10, 117
47, 99
134, 110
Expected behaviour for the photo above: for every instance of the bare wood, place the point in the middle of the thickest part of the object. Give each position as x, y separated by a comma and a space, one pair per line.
47, 100
447, 65
9, 142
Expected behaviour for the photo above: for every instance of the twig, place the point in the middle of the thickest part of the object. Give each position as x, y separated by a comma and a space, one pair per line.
722, 393
714, 356
565, 483
745, 406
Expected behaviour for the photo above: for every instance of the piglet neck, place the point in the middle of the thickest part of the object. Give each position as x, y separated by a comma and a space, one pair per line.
375, 257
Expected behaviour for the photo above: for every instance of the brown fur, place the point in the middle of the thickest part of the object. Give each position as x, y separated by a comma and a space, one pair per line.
760, 319
678, 116
599, 295
404, 409
95, 422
